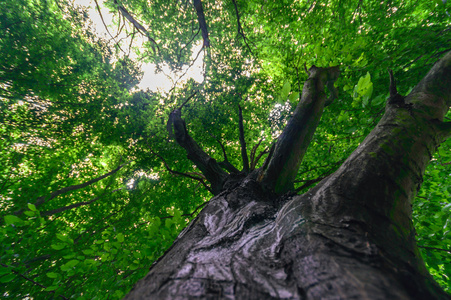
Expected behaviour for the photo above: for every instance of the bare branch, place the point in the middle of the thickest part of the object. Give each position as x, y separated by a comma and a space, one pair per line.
106, 27
309, 183
30, 280
184, 73
189, 98
243, 143
253, 152
435, 248
255, 162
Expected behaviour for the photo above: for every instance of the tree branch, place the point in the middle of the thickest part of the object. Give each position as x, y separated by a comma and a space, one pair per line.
104, 24
31, 280
309, 183
243, 143
253, 152
75, 205
200, 179
137, 25
240, 28
434, 248
281, 168
202, 22
226, 164
259, 156
43, 199
206, 164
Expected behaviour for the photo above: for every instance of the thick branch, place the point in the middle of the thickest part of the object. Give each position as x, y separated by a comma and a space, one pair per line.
283, 164
243, 143
379, 180
206, 164
202, 22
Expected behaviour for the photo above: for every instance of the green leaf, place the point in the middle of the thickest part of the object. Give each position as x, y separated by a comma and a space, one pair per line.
87, 251
62, 237
285, 91
51, 288
69, 265
32, 207
11, 219
120, 237
7, 278
4, 270
294, 98
58, 246
29, 213
52, 275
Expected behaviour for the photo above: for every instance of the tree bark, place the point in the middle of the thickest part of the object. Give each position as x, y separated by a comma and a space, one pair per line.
349, 237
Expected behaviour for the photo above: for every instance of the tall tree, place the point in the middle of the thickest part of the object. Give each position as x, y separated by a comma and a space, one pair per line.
349, 237
298, 131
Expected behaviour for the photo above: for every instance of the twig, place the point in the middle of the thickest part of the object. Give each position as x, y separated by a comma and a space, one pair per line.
253, 151
75, 205
309, 183
106, 27
260, 156
189, 98
226, 163
137, 25
240, 28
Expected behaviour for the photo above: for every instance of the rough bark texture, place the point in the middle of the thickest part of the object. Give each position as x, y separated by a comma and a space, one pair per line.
350, 237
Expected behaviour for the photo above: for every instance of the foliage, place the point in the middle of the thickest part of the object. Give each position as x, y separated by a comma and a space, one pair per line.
71, 114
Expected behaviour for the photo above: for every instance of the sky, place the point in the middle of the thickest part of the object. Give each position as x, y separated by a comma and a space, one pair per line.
153, 81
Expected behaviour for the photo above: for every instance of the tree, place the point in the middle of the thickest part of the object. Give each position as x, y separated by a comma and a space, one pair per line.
349, 237
95, 188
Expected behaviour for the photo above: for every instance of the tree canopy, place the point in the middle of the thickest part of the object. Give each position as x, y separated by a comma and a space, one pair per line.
94, 188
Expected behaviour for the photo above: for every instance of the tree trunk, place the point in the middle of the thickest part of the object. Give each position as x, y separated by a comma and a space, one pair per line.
350, 237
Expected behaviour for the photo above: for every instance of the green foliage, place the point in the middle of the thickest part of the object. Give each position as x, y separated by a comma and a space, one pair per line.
71, 113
